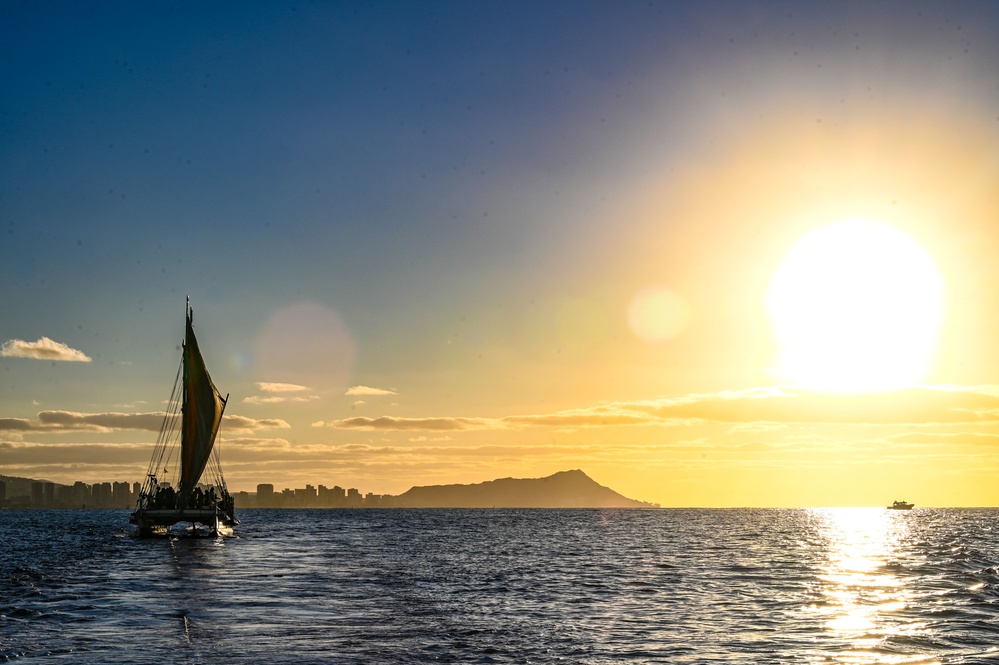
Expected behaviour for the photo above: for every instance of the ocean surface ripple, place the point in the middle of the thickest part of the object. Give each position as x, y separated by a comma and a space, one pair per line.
506, 586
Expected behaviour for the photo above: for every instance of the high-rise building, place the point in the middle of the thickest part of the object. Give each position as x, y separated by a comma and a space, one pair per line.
121, 495
306, 496
3, 492
102, 495
81, 494
37, 493
265, 494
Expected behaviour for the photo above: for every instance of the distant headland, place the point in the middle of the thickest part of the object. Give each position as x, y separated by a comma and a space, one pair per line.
565, 489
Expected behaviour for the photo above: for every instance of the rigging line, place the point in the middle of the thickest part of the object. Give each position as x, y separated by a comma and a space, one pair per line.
171, 445
215, 461
154, 462
218, 455
173, 395
167, 447
168, 425
217, 450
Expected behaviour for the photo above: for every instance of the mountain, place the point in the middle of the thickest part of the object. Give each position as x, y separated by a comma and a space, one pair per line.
565, 489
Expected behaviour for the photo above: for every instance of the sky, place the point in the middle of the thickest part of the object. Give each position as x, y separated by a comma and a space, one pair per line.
447, 242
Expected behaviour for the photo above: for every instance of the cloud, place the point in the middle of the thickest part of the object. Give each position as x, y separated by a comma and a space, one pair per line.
267, 445
928, 405
43, 349
365, 390
281, 397
431, 424
257, 399
755, 407
69, 421
277, 399
280, 387
76, 461
244, 424
948, 438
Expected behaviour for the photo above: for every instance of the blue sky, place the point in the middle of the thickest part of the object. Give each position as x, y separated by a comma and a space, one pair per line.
449, 202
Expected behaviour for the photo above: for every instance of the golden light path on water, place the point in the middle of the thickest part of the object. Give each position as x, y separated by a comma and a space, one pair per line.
864, 601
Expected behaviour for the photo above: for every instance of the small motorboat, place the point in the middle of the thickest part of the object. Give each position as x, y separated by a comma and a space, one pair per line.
900, 505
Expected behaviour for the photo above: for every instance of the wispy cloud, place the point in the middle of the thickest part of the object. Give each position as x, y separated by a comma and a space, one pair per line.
927, 405
277, 393
429, 424
43, 349
266, 445
755, 407
948, 438
280, 387
278, 399
69, 421
244, 424
366, 390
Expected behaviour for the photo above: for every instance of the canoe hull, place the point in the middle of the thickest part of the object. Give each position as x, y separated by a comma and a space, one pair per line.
159, 520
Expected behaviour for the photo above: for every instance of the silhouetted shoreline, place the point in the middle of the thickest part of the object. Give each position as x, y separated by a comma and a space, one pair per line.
565, 489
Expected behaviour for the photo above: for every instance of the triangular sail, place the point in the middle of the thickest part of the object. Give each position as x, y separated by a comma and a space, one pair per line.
202, 414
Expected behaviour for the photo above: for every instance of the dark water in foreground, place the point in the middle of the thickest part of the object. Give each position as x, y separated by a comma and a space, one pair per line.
506, 586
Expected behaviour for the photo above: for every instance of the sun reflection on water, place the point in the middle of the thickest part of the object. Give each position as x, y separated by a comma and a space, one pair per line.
863, 598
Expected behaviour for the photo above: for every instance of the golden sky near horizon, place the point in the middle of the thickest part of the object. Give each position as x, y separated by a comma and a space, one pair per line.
750, 264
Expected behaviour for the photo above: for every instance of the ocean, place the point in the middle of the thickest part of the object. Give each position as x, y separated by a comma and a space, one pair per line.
506, 586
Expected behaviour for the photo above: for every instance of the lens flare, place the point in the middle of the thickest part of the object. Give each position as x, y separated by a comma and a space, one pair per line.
657, 314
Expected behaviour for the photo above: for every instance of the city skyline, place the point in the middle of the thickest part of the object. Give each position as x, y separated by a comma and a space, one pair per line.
122, 494
564, 489
716, 254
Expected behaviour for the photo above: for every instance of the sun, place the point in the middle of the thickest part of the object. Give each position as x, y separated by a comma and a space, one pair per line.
856, 306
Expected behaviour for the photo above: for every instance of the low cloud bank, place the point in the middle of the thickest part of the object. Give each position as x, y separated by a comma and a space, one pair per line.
780, 405
69, 421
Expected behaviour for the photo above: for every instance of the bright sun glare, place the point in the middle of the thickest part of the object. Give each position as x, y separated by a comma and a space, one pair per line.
856, 306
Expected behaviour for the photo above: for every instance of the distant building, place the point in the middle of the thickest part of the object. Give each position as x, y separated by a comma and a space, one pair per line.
81, 494
102, 495
64, 496
121, 495
306, 496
